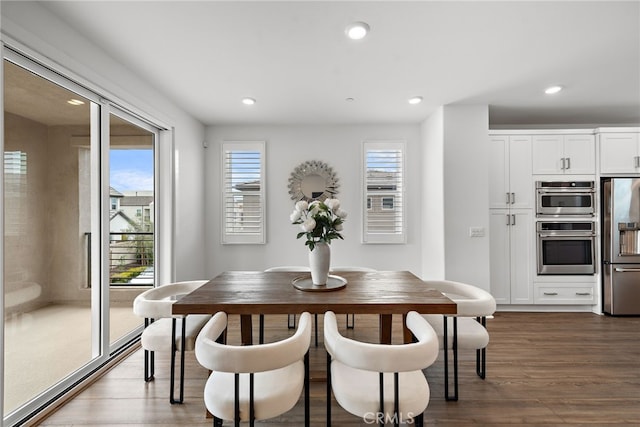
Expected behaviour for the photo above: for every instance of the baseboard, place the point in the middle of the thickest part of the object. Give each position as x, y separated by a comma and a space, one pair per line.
546, 308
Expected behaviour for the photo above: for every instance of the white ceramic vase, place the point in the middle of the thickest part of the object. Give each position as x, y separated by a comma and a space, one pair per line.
319, 262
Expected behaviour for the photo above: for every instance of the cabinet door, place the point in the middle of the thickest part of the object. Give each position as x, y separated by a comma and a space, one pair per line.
548, 152
498, 172
580, 154
520, 182
618, 153
499, 251
521, 253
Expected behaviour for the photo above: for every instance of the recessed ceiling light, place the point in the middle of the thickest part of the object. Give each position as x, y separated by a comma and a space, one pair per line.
552, 89
248, 101
349, 99
74, 101
357, 30
415, 100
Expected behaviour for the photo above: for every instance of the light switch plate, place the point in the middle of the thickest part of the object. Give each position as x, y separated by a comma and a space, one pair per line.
476, 231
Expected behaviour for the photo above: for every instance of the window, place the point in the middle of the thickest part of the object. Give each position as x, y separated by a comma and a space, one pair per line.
15, 163
383, 175
243, 192
387, 203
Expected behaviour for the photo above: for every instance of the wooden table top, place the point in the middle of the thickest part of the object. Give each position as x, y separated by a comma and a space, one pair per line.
257, 292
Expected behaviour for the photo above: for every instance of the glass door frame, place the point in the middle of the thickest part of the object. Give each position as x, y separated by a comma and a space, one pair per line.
101, 108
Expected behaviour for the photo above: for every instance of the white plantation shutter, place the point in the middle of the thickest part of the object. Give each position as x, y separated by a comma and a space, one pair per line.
15, 193
383, 177
243, 192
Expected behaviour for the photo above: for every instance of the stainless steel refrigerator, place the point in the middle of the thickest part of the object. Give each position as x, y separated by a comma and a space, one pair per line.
621, 245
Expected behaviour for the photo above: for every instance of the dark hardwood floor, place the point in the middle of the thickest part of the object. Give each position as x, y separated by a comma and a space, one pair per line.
543, 369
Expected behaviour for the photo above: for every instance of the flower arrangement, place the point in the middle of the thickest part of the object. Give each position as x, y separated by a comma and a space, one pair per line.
319, 221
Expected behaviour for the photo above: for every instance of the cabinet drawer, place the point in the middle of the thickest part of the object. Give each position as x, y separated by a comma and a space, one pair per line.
545, 293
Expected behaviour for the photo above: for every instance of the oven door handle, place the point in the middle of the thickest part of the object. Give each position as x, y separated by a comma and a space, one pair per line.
561, 235
627, 270
560, 191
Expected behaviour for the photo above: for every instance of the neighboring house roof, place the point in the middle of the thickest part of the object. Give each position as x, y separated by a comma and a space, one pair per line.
136, 200
381, 180
119, 219
115, 193
248, 186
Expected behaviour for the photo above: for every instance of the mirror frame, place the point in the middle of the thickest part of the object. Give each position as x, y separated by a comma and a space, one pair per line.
313, 167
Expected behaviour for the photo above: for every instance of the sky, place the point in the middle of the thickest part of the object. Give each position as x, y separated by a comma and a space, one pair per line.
131, 170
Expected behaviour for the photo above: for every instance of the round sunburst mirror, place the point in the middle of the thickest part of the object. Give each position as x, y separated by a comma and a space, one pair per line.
313, 180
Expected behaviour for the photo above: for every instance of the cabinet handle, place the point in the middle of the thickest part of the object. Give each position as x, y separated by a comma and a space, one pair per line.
562, 160
550, 293
508, 198
513, 198
636, 161
513, 219
508, 220
568, 162
583, 294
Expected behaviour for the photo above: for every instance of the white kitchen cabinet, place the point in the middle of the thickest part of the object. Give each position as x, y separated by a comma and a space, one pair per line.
564, 154
510, 183
511, 248
619, 153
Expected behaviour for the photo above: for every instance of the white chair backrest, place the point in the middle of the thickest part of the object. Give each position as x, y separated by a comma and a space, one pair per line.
383, 357
289, 268
156, 303
252, 358
471, 300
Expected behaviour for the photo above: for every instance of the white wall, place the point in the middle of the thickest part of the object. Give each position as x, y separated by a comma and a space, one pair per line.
466, 189
29, 25
286, 148
433, 238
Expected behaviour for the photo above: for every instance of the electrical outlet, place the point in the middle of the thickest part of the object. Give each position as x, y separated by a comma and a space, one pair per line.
476, 231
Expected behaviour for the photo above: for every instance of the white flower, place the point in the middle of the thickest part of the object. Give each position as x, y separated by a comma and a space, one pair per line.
319, 221
332, 204
308, 225
314, 207
295, 215
340, 213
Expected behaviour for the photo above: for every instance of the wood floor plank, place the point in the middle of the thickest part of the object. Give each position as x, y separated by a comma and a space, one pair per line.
543, 369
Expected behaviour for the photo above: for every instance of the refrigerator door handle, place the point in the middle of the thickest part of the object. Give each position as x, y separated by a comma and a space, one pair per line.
627, 270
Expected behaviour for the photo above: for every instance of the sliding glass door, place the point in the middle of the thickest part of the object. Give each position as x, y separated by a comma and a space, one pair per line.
131, 219
48, 302
79, 237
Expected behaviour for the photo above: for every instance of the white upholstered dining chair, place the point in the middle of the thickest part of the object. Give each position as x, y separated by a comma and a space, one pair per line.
380, 381
465, 330
253, 382
159, 334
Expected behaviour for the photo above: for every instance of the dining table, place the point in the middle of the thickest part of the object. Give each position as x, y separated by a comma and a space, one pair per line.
247, 293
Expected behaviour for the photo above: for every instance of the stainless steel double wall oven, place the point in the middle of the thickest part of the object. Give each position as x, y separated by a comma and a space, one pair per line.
565, 227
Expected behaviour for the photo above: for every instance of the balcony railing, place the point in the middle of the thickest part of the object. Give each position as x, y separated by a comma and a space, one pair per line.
131, 261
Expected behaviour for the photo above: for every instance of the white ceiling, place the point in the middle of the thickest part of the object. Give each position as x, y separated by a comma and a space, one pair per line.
295, 60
